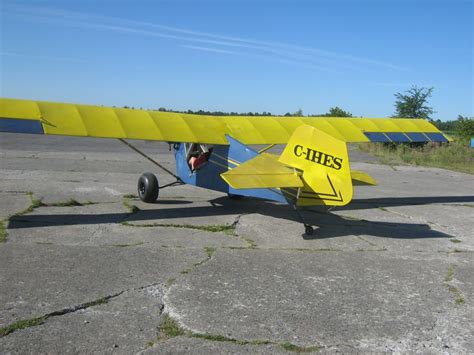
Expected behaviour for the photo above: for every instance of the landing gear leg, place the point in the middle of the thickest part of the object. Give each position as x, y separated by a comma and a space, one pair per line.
308, 229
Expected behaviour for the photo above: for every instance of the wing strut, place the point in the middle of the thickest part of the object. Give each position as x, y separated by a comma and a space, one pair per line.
178, 180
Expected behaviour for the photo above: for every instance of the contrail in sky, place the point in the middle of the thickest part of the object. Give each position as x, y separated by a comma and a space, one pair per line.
285, 53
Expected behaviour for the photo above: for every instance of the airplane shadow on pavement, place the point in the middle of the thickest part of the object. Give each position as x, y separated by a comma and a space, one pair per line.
328, 225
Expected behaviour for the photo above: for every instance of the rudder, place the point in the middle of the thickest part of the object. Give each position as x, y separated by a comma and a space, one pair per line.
324, 163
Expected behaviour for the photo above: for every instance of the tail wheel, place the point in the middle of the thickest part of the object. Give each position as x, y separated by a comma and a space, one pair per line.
148, 188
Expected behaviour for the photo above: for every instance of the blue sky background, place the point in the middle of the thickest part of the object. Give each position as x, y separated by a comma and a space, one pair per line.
232, 55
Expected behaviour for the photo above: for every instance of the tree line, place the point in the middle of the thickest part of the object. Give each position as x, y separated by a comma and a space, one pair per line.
412, 103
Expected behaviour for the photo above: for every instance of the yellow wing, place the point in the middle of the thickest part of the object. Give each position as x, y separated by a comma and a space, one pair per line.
110, 122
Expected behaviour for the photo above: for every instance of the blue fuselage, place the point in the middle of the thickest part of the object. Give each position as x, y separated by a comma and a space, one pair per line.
221, 159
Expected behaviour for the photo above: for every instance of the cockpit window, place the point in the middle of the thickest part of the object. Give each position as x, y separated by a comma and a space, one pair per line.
197, 155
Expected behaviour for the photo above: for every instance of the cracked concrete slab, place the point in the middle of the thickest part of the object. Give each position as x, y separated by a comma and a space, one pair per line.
386, 273
41, 278
125, 324
100, 225
366, 300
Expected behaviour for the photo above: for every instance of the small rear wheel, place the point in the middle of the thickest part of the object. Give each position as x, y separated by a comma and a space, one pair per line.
148, 188
308, 230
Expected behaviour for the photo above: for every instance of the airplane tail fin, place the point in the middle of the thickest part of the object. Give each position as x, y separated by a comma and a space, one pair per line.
324, 162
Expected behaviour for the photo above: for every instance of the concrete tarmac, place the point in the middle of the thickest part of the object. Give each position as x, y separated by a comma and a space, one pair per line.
87, 267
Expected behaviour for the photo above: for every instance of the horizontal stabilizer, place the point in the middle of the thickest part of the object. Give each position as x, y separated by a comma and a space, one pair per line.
362, 178
263, 171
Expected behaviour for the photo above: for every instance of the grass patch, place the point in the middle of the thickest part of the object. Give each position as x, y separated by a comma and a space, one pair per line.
35, 203
130, 196
209, 251
458, 296
454, 240
3, 231
22, 324
455, 155
221, 338
298, 349
170, 282
127, 245
214, 228
130, 207
26, 323
169, 328
450, 273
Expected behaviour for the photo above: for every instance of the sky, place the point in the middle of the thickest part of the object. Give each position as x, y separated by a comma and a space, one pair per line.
240, 55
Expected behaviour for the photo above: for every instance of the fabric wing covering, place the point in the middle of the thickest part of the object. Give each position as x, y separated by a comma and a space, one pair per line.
26, 116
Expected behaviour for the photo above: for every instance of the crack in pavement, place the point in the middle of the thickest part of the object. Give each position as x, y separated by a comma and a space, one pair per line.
31, 322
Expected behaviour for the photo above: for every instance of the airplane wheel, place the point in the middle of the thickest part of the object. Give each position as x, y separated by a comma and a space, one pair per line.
148, 188
235, 197
308, 230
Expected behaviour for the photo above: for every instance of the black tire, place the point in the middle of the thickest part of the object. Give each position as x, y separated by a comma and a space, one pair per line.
235, 197
148, 188
308, 229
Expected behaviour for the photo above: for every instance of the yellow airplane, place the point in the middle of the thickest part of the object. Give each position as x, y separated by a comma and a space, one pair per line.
213, 152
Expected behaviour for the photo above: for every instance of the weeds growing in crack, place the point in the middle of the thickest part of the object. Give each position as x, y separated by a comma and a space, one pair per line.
36, 203
458, 296
214, 228
130, 196
3, 231
169, 328
22, 324
299, 349
222, 338
366, 250
209, 251
130, 207
32, 322
170, 282
450, 273
454, 240
250, 244
127, 245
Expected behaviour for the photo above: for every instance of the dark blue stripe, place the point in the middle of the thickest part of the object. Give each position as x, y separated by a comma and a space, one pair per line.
436, 137
398, 137
417, 137
377, 137
20, 126
405, 137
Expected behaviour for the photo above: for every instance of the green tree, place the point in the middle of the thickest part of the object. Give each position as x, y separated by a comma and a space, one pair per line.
298, 113
465, 127
338, 112
413, 103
